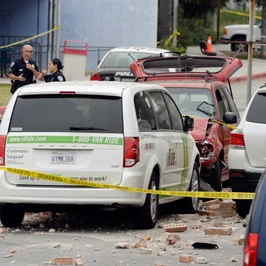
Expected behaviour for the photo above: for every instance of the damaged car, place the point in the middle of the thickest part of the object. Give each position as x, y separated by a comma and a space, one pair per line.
200, 86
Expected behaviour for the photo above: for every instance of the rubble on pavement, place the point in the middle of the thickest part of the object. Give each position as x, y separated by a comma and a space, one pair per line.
174, 235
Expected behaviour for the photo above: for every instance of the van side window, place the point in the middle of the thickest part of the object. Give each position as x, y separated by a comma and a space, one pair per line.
144, 112
177, 118
161, 111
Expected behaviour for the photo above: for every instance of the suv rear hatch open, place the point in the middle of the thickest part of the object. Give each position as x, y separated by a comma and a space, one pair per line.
66, 134
185, 67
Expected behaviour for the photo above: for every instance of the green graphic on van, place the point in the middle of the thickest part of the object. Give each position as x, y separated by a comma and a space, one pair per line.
185, 166
65, 139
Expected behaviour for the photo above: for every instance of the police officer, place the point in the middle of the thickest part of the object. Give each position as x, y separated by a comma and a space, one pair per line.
23, 70
55, 66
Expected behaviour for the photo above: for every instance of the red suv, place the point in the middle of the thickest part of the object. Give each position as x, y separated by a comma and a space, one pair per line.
201, 89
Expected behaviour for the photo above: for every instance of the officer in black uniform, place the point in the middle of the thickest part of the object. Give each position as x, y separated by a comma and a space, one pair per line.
24, 70
55, 65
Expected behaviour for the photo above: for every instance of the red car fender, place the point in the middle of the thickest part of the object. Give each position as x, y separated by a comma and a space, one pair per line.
2, 109
216, 138
206, 129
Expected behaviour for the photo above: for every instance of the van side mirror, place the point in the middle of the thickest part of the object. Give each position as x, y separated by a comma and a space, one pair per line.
188, 122
229, 118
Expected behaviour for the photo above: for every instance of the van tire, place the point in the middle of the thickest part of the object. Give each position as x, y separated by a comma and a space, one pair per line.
147, 215
191, 204
11, 215
215, 179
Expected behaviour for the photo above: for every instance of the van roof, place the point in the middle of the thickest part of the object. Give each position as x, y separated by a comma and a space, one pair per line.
112, 88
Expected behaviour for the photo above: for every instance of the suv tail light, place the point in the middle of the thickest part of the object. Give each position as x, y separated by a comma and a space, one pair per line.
96, 76
237, 139
2, 149
251, 250
131, 151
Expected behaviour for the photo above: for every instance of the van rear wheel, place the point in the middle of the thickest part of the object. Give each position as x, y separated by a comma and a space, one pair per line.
147, 215
192, 203
11, 215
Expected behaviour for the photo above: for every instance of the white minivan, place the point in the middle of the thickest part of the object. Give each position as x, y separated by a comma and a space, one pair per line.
123, 134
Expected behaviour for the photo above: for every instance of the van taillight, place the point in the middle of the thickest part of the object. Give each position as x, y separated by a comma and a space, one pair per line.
251, 250
2, 149
237, 139
131, 151
96, 76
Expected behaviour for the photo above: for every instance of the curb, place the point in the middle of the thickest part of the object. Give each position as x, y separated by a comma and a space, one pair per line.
245, 77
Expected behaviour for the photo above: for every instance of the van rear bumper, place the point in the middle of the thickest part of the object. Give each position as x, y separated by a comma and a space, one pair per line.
72, 194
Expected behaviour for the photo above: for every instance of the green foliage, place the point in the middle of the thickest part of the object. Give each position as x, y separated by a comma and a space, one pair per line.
193, 30
195, 22
171, 47
200, 8
5, 94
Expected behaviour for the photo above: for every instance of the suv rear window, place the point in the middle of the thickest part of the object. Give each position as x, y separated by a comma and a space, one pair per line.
67, 113
256, 112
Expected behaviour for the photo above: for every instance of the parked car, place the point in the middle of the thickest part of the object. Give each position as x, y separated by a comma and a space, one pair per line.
115, 64
255, 238
247, 150
199, 89
117, 133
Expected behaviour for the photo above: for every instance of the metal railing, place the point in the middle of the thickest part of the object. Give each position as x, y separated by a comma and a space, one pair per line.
10, 54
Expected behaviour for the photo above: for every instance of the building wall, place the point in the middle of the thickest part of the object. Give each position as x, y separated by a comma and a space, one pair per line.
109, 23
24, 18
99, 22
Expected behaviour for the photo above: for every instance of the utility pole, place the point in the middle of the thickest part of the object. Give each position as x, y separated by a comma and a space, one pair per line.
165, 19
175, 22
250, 47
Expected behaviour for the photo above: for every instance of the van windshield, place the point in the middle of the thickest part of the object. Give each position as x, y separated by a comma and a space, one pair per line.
67, 113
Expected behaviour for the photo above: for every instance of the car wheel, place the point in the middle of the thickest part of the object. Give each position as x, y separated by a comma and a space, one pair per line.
11, 215
215, 177
235, 46
147, 215
192, 204
243, 207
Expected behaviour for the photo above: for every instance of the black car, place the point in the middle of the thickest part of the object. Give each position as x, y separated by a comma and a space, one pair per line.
255, 241
115, 64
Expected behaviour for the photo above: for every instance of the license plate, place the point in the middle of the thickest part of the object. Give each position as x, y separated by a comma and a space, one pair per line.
63, 158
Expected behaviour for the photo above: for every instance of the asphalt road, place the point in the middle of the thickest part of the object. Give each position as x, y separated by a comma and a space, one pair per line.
106, 239
239, 90
94, 237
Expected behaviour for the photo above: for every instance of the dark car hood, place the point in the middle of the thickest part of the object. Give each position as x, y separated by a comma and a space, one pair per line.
200, 127
111, 73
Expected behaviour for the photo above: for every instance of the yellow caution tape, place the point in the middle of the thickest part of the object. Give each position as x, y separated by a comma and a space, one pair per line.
217, 121
72, 181
240, 13
31, 38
